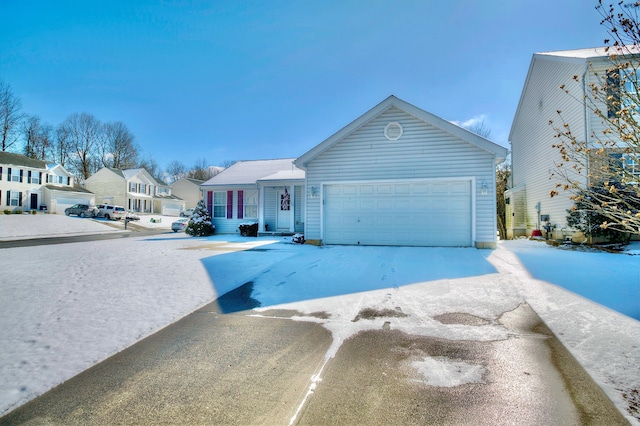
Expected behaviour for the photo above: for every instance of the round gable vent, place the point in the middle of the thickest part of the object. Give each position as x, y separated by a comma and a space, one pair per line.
393, 131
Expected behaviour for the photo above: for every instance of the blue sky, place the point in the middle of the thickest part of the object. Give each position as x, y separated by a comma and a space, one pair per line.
233, 80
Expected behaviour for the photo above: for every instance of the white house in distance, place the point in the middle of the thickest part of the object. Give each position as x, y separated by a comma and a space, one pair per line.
134, 189
29, 184
529, 204
267, 192
397, 175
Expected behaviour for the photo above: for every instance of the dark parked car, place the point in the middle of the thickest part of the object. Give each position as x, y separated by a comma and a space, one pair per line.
82, 210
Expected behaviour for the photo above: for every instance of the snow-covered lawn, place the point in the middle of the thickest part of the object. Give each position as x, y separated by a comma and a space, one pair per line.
66, 307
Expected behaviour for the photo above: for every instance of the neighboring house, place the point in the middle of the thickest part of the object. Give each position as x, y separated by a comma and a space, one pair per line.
399, 175
267, 192
529, 205
189, 190
134, 189
29, 184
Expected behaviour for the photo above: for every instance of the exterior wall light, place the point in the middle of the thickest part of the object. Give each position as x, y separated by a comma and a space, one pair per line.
484, 188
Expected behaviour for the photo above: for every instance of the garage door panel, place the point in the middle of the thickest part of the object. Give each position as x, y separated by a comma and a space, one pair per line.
412, 213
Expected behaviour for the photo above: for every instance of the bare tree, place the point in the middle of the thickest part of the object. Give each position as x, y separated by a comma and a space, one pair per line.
10, 116
176, 170
200, 170
151, 166
117, 147
81, 133
37, 137
503, 179
480, 129
609, 160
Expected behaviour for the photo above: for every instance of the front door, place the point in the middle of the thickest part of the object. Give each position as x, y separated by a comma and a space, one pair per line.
284, 210
34, 202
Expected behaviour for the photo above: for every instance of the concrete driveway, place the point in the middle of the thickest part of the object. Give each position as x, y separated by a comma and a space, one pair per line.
463, 349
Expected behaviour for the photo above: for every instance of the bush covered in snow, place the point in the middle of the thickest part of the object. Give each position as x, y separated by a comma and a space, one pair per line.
199, 224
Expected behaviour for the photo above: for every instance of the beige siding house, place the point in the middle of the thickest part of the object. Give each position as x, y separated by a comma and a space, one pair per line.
529, 205
29, 184
134, 189
189, 190
399, 175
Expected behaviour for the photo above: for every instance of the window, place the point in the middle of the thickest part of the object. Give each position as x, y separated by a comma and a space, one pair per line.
15, 198
15, 175
622, 91
219, 204
132, 187
35, 177
631, 163
143, 188
251, 204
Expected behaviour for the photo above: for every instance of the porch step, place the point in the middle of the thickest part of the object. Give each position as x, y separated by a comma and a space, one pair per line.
275, 234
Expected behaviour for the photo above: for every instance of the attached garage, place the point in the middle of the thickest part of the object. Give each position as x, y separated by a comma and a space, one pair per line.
58, 198
422, 213
401, 176
65, 202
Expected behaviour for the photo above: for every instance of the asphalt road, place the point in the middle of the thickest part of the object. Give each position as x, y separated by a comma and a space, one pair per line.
136, 231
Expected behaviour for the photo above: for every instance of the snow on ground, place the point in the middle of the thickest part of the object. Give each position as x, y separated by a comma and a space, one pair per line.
86, 301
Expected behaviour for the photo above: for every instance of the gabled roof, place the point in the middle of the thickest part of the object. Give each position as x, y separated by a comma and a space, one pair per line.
591, 52
581, 57
470, 137
249, 172
21, 160
130, 173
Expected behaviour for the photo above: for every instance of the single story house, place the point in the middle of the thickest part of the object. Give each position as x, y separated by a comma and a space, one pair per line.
30, 184
267, 192
397, 175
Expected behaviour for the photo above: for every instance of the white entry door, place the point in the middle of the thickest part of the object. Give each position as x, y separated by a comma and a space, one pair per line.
284, 210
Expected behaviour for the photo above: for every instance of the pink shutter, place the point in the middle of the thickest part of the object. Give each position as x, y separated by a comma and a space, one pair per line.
229, 204
210, 202
240, 204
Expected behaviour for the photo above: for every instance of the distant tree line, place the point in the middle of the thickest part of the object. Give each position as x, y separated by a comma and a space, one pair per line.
82, 143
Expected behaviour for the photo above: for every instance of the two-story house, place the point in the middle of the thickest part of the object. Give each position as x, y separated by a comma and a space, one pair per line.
30, 184
556, 82
134, 189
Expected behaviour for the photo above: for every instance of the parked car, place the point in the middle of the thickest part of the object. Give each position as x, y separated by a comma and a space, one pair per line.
179, 225
187, 212
82, 210
109, 211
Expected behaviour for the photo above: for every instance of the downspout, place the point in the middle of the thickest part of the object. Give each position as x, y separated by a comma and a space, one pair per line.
587, 129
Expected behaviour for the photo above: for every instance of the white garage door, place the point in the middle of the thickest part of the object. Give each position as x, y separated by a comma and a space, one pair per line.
407, 213
170, 209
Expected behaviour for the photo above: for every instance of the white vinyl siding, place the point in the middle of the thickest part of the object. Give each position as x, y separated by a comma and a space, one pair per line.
422, 152
532, 137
